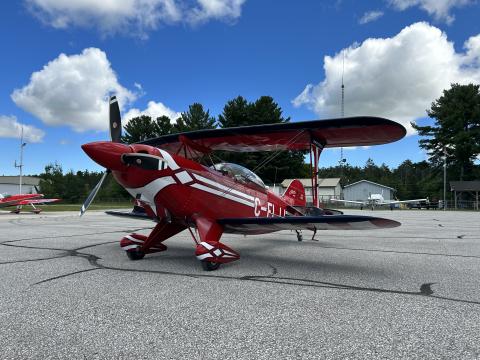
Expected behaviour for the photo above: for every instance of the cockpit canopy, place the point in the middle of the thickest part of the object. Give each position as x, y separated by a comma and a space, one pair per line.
240, 174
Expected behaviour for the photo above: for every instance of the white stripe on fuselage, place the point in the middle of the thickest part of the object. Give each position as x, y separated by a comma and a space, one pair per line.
149, 191
222, 194
169, 159
184, 177
223, 187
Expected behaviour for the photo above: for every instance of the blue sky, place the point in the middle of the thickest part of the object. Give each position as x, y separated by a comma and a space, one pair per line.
162, 55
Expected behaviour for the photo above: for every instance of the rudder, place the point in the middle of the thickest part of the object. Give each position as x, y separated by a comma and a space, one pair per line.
295, 194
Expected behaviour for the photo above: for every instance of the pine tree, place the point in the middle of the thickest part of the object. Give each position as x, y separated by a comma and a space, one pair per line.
456, 129
239, 112
143, 127
196, 118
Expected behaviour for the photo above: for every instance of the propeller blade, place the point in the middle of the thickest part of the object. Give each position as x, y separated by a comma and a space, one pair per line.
115, 120
93, 193
144, 161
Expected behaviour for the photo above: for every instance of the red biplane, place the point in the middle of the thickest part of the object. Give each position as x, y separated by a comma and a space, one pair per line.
19, 200
178, 192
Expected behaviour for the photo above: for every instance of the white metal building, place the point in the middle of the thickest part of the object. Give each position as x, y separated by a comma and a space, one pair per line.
328, 188
361, 190
10, 184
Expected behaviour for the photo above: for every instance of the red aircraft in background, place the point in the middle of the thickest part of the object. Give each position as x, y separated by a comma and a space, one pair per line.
19, 200
176, 191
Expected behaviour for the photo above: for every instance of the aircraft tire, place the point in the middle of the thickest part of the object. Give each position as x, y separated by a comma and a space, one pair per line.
135, 255
210, 266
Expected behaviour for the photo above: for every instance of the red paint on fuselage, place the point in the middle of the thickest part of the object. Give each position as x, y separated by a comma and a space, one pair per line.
208, 194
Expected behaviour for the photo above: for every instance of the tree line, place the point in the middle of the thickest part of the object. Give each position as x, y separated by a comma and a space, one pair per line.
455, 134
411, 180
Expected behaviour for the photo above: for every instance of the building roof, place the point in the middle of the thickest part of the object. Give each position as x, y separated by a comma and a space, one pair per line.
26, 180
325, 182
371, 182
465, 185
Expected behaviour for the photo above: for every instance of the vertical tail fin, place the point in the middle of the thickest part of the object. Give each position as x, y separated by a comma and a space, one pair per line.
295, 194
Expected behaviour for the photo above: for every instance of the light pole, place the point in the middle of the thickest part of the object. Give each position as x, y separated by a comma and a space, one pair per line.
444, 178
22, 145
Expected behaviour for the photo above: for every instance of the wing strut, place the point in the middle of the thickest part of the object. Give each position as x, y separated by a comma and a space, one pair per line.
316, 148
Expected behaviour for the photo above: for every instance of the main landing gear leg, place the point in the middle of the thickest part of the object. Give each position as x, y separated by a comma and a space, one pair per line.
137, 245
210, 251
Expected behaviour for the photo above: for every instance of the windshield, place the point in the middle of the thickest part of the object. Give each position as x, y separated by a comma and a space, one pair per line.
239, 173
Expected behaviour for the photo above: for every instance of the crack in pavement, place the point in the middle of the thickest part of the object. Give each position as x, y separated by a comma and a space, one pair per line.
75, 235
399, 252
425, 289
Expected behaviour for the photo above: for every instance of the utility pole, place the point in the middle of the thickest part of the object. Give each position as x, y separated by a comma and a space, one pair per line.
22, 145
342, 160
444, 178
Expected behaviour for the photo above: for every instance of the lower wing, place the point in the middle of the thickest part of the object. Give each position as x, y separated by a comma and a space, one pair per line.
37, 201
261, 225
131, 214
9, 203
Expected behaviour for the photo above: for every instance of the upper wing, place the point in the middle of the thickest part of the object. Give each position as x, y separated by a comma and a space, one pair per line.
261, 225
131, 214
354, 131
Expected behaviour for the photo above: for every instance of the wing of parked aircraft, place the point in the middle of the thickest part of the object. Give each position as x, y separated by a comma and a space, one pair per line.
401, 201
349, 201
37, 201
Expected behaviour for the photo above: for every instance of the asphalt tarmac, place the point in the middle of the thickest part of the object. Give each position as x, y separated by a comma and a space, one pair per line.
68, 291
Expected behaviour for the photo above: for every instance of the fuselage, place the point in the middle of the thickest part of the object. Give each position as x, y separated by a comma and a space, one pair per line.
13, 200
182, 189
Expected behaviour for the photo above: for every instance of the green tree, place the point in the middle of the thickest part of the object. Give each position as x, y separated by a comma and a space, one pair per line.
143, 127
271, 167
456, 129
236, 113
196, 118
51, 181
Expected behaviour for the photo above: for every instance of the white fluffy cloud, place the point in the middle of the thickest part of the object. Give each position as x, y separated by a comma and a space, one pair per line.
154, 110
370, 16
73, 90
11, 128
215, 9
135, 17
396, 77
439, 9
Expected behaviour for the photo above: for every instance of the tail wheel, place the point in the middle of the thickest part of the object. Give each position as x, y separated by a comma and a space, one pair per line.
299, 235
210, 265
135, 255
